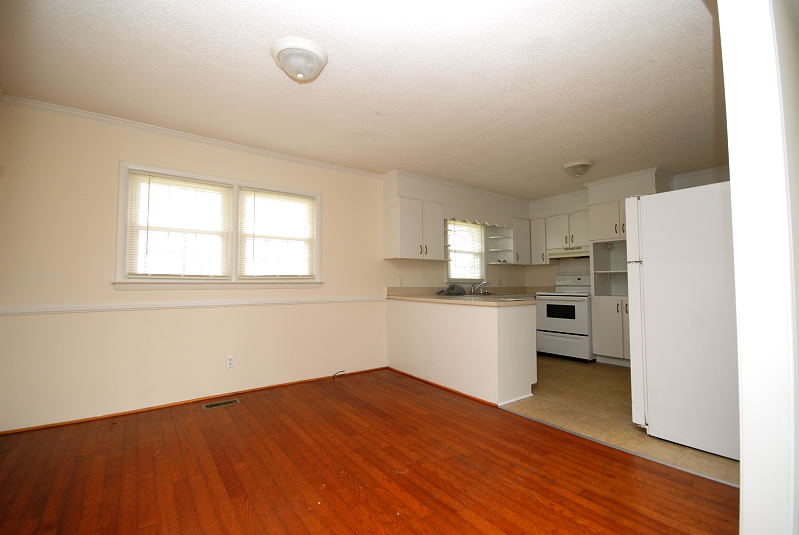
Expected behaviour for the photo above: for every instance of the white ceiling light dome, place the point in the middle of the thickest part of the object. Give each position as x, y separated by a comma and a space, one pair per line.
300, 58
578, 168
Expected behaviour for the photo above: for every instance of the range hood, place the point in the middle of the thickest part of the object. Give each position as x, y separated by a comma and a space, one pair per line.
568, 252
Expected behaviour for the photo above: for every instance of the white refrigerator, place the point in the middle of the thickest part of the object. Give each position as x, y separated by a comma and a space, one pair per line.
683, 348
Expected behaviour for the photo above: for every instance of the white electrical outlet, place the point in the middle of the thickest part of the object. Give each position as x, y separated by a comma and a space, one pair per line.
230, 361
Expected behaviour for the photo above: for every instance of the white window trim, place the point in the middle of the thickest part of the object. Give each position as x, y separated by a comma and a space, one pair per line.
483, 266
122, 281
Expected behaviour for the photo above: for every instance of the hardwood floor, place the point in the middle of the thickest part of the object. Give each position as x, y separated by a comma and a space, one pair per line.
370, 453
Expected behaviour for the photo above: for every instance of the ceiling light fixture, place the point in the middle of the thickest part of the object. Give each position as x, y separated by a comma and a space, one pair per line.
578, 168
301, 59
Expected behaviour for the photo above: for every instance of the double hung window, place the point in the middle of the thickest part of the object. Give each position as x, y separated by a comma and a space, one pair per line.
192, 229
465, 260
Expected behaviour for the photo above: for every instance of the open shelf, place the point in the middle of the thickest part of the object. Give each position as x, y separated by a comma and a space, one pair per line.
609, 268
499, 245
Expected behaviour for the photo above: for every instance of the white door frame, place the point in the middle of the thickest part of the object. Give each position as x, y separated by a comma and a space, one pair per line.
760, 52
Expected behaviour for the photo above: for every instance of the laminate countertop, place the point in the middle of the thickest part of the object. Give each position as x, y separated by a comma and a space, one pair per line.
471, 300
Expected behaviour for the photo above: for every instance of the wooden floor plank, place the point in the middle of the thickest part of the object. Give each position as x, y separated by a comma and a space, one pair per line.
372, 453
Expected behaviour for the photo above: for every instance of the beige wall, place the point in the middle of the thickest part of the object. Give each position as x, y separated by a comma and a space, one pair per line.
426, 273
58, 213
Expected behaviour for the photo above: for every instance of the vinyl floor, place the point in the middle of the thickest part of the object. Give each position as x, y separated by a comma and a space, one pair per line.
593, 399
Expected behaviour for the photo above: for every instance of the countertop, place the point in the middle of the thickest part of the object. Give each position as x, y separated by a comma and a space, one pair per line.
493, 300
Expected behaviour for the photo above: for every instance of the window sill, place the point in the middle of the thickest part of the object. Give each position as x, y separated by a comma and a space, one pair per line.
211, 285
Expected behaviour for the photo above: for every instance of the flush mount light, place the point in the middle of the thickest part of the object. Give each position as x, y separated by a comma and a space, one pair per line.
578, 168
301, 59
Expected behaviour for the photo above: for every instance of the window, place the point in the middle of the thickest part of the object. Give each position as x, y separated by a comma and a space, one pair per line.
186, 228
276, 236
177, 228
466, 257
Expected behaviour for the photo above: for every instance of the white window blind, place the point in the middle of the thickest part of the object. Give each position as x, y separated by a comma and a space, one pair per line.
465, 251
276, 234
177, 228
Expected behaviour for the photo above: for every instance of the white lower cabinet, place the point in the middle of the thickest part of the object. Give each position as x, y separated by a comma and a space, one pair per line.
610, 334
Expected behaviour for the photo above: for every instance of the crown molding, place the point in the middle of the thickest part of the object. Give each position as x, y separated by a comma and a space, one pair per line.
22, 101
577, 195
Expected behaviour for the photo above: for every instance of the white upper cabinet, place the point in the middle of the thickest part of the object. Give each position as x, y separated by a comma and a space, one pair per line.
410, 228
567, 230
578, 229
416, 208
607, 221
415, 229
538, 242
521, 241
557, 228
434, 231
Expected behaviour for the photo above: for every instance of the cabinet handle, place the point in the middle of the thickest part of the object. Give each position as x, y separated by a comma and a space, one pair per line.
420, 250
572, 238
616, 228
517, 257
425, 250
618, 308
626, 308
542, 257
622, 228
566, 239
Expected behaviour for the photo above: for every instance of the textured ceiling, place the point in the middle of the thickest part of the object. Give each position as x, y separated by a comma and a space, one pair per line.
495, 95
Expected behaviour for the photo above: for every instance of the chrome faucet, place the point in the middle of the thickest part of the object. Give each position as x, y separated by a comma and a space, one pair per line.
476, 286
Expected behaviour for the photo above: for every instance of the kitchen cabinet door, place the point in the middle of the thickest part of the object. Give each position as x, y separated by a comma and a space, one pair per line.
603, 221
433, 231
606, 326
410, 228
521, 241
557, 228
625, 327
538, 242
578, 229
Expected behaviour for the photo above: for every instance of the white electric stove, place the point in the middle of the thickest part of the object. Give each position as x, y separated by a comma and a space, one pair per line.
563, 318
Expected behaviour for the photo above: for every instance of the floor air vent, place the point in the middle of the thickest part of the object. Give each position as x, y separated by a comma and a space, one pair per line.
221, 404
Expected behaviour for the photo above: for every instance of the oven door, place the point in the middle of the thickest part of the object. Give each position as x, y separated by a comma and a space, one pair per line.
563, 314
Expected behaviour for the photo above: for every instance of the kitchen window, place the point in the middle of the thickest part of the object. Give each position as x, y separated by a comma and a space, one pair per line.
465, 257
176, 227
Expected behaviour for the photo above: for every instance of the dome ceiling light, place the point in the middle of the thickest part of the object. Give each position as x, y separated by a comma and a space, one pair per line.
301, 59
577, 168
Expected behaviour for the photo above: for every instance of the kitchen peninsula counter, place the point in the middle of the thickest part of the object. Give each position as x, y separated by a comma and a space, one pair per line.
471, 300
481, 346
